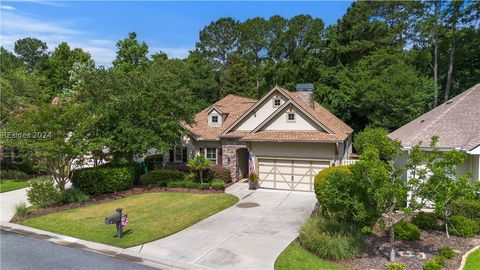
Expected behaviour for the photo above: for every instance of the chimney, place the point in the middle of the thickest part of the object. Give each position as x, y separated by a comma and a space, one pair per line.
305, 93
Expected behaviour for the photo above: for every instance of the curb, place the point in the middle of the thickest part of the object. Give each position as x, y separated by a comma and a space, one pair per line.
106, 250
464, 257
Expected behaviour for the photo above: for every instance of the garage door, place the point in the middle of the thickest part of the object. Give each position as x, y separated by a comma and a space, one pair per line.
289, 174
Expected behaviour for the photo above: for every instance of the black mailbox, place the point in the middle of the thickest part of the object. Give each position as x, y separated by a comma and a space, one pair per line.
116, 219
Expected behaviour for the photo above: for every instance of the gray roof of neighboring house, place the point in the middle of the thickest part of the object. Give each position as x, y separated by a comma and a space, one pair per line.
456, 123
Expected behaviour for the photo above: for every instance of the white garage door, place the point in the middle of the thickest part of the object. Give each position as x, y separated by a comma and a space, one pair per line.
289, 174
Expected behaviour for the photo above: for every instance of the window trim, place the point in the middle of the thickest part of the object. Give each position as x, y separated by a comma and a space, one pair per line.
175, 149
215, 153
279, 102
216, 118
294, 117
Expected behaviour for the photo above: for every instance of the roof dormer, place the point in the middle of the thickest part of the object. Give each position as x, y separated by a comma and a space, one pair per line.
215, 117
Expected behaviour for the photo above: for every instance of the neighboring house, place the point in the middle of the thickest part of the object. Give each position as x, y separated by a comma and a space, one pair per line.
456, 123
285, 137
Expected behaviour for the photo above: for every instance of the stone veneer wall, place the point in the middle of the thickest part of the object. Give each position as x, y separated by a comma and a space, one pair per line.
229, 151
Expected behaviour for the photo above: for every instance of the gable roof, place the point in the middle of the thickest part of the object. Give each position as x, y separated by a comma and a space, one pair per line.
232, 106
456, 122
238, 108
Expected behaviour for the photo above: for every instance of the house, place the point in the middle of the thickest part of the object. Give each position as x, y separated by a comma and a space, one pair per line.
285, 137
456, 123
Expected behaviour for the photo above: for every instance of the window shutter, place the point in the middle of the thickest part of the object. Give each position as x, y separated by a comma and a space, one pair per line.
184, 154
202, 151
219, 156
171, 155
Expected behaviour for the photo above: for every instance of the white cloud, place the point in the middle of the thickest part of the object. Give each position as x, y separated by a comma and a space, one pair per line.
14, 27
5, 7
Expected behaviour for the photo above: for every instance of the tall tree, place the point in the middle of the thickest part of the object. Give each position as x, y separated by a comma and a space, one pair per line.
32, 51
131, 54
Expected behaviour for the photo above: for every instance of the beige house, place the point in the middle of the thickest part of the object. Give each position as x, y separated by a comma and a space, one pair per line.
285, 137
456, 123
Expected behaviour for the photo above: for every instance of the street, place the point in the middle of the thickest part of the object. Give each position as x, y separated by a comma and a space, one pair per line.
22, 252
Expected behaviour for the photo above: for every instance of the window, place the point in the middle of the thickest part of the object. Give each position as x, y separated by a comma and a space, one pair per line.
178, 154
291, 117
212, 154
214, 119
277, 102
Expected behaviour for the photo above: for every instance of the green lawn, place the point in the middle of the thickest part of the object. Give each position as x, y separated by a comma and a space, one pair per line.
297, 258
9, 185
151, 216
473, 261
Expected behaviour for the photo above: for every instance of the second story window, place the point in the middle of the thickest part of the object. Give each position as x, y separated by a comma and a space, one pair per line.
291, 117
214, 119
277, 102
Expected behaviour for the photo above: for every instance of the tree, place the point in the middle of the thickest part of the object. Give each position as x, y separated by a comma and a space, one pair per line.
131, 54
238, 78
199, 163
443, 185
8, 61
32, 52
61, 63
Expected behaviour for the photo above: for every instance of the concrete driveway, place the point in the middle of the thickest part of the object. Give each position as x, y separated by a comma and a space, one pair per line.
8, 200
244, 236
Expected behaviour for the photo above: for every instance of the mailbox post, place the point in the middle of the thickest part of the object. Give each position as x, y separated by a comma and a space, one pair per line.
116, 219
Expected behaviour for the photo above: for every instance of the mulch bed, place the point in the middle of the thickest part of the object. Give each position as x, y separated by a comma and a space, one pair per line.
111, 197
377, 251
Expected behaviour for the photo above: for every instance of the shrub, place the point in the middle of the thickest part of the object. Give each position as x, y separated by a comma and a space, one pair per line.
462, 226
322, 175
466, 208
218, 184
204, 185
330, 239
406, 231
21, 209
104, 179
440, 260
395, 266
177, 167
74, 195
43, 193
446, 252
425, 221
432, 264
217, 172
154, 162
178, 184
12, 174
162, 177
191, 185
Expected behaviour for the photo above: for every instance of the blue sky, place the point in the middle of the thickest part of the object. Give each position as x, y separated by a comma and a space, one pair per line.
172, 27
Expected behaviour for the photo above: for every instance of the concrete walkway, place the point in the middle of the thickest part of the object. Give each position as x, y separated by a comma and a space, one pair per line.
8, 200
238, 237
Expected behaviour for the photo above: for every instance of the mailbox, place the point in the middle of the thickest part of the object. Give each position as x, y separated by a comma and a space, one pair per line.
116, 219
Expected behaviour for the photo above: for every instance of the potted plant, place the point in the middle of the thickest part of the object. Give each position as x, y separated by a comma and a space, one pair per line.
253, 181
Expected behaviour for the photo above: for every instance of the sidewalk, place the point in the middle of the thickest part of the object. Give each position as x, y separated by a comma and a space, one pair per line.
8, 200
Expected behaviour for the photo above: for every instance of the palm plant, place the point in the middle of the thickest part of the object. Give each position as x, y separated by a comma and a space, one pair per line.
199, 163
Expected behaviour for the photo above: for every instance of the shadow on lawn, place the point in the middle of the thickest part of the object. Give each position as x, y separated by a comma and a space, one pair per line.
125, 233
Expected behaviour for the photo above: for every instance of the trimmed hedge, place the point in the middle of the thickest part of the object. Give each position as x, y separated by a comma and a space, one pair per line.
218, 173
425, 221
162, 177
462, 226
467, 208
104, 179
322, 175
406, 231
218, 184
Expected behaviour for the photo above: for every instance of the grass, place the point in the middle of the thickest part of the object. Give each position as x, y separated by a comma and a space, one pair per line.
473, 260
151, 216
9, 185
297, 258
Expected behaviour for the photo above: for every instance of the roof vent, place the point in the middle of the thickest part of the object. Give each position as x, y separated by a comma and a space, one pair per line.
305, 87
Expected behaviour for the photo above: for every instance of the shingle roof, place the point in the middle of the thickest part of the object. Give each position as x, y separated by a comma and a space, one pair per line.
297, 136
456, 122
235, 107
232, 105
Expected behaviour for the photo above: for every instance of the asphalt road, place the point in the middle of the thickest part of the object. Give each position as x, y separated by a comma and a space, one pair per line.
22, 252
